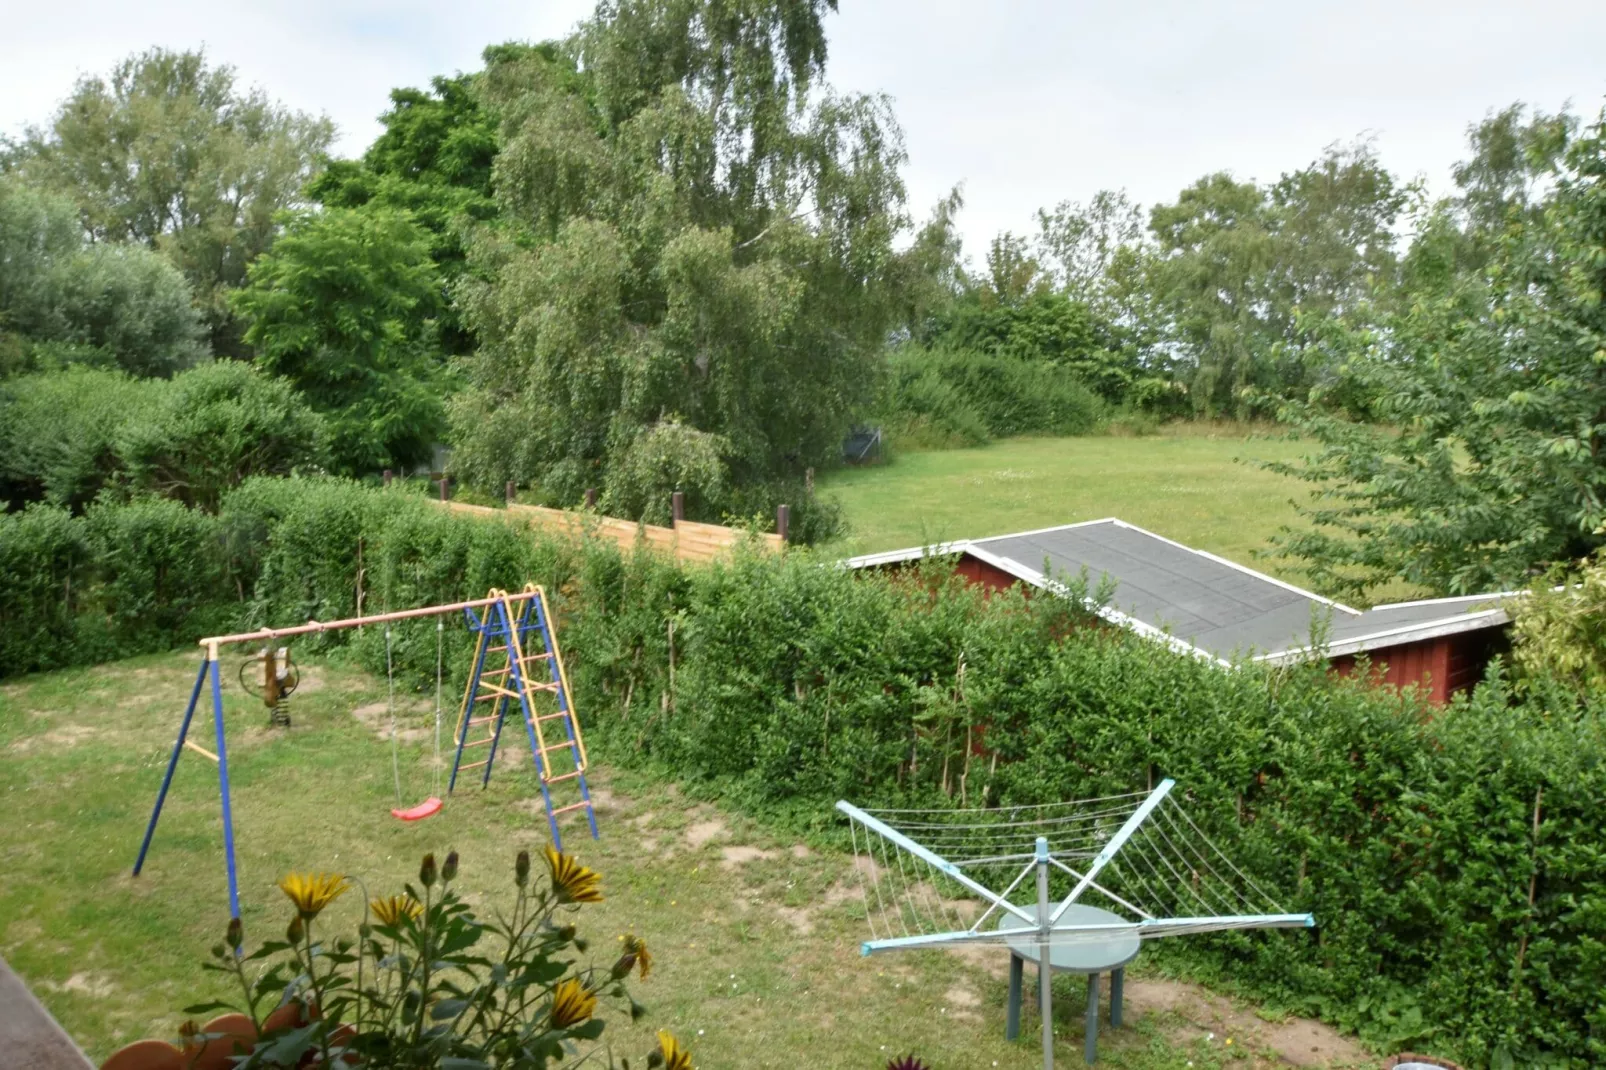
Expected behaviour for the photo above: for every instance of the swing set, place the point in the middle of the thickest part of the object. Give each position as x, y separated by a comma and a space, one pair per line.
516, 661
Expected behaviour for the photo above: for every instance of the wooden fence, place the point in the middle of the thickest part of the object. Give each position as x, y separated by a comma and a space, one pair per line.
687, 540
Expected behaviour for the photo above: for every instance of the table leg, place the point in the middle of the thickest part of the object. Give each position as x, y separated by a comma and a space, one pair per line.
1090, 1046
1117, 983
1012, 1017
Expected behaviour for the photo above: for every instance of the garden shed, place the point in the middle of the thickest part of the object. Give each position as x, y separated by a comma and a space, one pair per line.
1207, 606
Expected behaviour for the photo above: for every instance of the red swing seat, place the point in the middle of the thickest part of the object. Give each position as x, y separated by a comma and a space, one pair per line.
428, 808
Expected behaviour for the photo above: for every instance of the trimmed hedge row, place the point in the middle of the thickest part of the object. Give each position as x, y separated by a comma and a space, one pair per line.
1445, 921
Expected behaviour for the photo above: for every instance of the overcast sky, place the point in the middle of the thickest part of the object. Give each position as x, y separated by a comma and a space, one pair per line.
1025, 103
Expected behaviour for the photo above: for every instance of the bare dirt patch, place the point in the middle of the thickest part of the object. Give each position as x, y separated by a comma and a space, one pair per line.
801, 850
799, 919
376, 717
94, 985
704, 832
963, 1002
739, 855
1297, 1041
62, 737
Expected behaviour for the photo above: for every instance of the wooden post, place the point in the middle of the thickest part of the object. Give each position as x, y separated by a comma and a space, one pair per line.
783, 520
591, 497
677, 507
446, 489
512, 490
387, 477
808, 481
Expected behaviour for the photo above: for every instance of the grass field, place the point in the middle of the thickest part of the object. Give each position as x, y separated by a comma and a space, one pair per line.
755, 936
1186, 483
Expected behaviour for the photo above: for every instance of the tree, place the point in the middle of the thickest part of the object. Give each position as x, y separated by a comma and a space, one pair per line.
1082, 243
1490, 461
1240, 271
433, 160
168, 153
343, 307
691, 235
64, 300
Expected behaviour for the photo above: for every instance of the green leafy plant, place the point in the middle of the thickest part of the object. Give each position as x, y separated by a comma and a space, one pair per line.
427, 983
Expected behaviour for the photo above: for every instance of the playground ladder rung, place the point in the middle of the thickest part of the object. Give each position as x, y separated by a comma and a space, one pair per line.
542, 687
495, 649
496, 691
550, 716
565, 776
534, 657
479, 742
583, 803
480, 720
556, 746
476, 765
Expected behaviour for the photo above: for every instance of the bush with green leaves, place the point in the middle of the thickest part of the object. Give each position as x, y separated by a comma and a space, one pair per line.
964, 397
44, 559
216, 426
426, 983
59, 433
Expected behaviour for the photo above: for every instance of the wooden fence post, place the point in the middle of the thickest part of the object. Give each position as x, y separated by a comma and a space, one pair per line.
591, 497
808, 481
783, 520
387, 477
677, 507
512, 491
446, 489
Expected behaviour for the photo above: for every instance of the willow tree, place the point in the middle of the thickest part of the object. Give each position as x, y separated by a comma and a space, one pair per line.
693, 272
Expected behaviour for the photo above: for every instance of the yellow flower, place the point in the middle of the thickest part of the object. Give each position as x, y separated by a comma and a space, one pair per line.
675, 1056
311, 892
392, 910
634, 954
572, 1004
573, 882
635, 945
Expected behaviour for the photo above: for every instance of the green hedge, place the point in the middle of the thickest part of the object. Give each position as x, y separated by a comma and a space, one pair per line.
942, 397
1407, 831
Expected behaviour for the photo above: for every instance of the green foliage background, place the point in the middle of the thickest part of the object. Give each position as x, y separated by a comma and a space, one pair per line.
781, 685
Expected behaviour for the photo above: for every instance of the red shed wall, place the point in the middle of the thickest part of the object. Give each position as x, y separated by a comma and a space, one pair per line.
1442, 666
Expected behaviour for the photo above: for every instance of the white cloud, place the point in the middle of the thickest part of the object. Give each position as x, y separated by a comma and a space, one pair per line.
1027, 103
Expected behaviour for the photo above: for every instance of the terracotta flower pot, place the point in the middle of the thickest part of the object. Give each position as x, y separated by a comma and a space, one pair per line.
237, 1036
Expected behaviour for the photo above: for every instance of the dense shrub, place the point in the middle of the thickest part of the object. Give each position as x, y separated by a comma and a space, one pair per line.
215, 426
44, 555
159, 571
58, 433
67, 435
964, 397
1444, 918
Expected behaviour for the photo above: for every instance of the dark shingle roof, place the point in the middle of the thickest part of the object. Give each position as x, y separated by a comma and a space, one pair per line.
1214, 606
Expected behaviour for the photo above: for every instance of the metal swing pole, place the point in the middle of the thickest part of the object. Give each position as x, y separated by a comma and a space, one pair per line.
223, 785
1045, 967
172, 764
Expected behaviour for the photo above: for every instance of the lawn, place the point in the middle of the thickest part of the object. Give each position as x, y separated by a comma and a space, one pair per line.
1189, 483
755, 936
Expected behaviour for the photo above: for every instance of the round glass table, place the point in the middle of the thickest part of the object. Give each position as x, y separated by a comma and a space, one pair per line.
1090, 955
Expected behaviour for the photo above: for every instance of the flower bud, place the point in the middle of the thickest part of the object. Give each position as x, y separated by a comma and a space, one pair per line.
521, 869
296, 931
655, 1059
426, 872
449, 870
626, 963
236, 933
